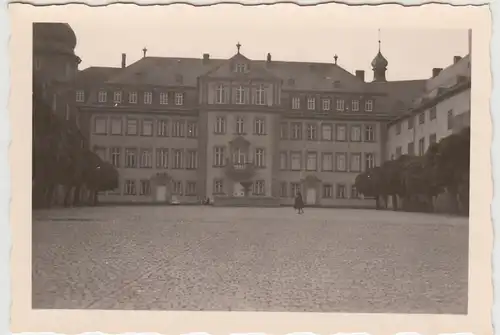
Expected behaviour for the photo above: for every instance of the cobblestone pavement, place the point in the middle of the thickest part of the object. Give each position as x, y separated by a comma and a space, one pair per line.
206, 258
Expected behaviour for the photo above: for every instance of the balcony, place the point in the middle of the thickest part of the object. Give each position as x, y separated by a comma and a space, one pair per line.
240, 172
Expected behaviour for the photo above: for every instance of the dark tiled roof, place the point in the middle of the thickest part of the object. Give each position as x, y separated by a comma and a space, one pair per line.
95, 75
400, 94
162, 71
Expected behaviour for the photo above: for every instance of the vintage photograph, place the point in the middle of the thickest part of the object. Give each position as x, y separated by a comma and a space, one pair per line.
300, 169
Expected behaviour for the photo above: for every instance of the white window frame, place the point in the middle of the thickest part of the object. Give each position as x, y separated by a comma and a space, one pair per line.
115, 153
295, 103
220, 94
178, 128
192, 129
130, 158
369, 160
338, 132
369, 105
164, 98
326, 104
148, 98
312, 132
162, 127
240, 125
311, 161
117, 97
130, 123
326, 129
260, 158
259, 124
102, 96
369, 133
295, 157
146, 158
220, 125
162, 156
240, 95
355, 162
80, 96
192, 159
311, 103
178, 159
340, 105
324, 165
179, 99
144, 125
132, 97
260, 95
341, 162
355, 105
355, 133
219, 156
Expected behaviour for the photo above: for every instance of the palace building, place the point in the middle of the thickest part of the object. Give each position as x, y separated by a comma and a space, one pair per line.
246, 131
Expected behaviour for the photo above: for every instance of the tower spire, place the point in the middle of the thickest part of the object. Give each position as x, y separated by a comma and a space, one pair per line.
238, 46
379, 64
379, 42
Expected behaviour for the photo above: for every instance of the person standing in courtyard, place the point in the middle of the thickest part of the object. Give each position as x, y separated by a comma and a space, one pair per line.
299, 203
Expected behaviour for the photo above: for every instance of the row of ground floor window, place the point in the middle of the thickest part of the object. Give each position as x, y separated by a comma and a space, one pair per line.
142, 187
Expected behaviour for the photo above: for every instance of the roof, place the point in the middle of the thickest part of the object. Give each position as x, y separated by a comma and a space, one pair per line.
400, 94
96, 75
163, 71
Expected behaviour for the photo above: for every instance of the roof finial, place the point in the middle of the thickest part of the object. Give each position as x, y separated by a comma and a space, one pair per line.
379, 40
144, 51
335, 58
238, 46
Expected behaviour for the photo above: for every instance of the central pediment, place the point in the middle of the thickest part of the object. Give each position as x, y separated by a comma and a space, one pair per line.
240, 67
239, 142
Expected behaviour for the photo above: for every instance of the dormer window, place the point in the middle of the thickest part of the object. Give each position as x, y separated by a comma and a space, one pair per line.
241, 68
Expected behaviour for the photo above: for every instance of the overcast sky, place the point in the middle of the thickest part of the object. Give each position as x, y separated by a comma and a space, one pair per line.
288, 32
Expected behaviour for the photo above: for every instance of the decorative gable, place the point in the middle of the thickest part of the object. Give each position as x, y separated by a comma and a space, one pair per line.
240, 67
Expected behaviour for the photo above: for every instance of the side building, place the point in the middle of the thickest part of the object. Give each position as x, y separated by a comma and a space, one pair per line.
239, 130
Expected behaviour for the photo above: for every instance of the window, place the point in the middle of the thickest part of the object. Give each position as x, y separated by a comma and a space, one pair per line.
311, 131
450, 119
177, 187
341, 133
326, 104
192, 160
432, 139
240, 125
163, 98
218, 186
398, 128
130, 158
259, 126
296, 103
147, 128
296, 130
179, 99
145, 188
260, 157
295, 161
311, 103
100, 125
260, 95
311, 161
132, 97
369, 105
116, 126
327, 162
355, 165
258, 187
283, 160
432, 113
369, 161
161, 158
410, 123
117, 97
219, 154
68, 113
284, 130
341, 162
283, 189
240, 68
162, 128
115, 156
369, 134
148, 98
421, 146
178, 128
239, 157
191, 188
340, 105
354, 192
327, 191
102, 96
355, 105
192, 129
295, 188
146, 158
220, 94
177, 163
411, 148
341, 191
80, 96
240, 95
421, 118
220, 125
326, 132
355, 133
131, 127
130, 187
399, 151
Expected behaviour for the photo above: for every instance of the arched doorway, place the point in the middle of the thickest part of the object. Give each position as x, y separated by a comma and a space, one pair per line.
161, 186
311, 186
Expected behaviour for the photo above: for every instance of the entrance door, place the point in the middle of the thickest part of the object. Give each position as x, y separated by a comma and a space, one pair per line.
311, 196
161, 193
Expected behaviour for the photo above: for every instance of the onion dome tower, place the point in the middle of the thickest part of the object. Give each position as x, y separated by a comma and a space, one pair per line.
379, 65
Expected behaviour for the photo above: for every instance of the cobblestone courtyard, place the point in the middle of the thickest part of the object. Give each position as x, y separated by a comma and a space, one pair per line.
206, 258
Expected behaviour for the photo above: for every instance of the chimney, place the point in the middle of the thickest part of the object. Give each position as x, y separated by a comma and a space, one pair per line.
456, 59
124, 61
436, 71
360, 74
269, 57
206, 58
